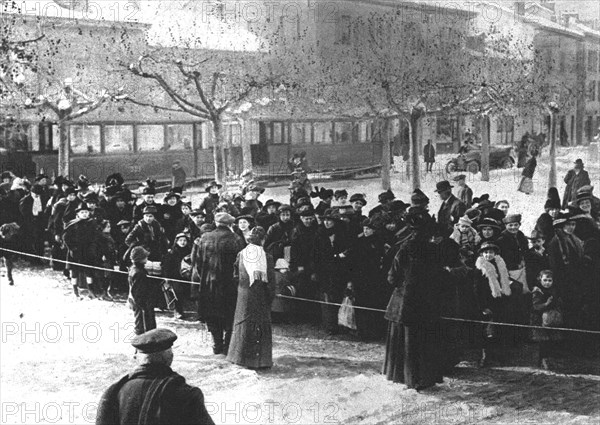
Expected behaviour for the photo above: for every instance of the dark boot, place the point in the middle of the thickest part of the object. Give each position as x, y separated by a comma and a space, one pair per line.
76, 291
227, 341
217, 342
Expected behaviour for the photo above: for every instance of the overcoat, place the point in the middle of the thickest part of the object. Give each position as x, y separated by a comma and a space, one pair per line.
574, 182
450, 211
82, 238
150, 236
252, 340
213, 269
152, 394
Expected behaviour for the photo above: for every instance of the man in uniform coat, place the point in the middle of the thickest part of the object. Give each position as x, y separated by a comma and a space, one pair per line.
212, 267
452, 208
153, 393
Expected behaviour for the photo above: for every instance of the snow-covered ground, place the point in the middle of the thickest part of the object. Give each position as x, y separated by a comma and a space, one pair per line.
57, 356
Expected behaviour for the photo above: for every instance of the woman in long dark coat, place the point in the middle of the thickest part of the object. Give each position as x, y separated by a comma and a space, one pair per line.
252, 340
565, 255
414, 340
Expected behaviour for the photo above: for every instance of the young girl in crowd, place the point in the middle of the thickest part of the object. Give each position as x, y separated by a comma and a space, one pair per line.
492, 288
546, 313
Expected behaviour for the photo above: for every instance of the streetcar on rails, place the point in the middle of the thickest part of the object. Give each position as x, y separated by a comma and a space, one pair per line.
147, 150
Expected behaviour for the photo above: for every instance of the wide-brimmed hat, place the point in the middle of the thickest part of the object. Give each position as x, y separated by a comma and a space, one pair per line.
536, 234
561, 218
307, 213
582, 197
370, 223
418, 217
397, 206
488, 222
486, 246
196, 212
41, 176
330, 214
512, 218
304, 201
124, 223
443, 186
271, 202
340, 193
70, 190
172, 194
91, 197
284, 207
359, 197
460, 177
418, 198
588, 188
246, 217
213, 184
388, 195
224, 218
150, 209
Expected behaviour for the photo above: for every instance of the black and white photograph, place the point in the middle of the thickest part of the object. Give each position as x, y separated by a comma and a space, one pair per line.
299, 212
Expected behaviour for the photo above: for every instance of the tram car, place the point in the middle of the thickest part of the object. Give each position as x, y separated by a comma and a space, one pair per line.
148, 150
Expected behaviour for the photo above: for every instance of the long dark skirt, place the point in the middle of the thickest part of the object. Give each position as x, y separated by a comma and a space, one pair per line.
252, 345
412, 355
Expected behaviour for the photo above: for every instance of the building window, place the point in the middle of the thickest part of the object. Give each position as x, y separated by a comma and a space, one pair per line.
150, 138
233, 134
592, 61
344, 30
118, 138
364, 132
343, 133
85, 138
322, 133
179, 137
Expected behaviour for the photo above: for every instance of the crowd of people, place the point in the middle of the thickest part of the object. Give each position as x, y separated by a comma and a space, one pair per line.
469, 260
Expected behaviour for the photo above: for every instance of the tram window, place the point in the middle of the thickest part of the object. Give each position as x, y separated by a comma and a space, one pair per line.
14, 136
301, 133
277, 133
343, 133
364, 135
322, 133
179, 137
85, 138
118, 138
150, 138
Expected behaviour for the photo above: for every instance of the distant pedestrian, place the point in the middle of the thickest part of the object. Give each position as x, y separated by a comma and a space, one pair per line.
179, 176
429, 155
526, 184
143, 292
464, 192
575, 179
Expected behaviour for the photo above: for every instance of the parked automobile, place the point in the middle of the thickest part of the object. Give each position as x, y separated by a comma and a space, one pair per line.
500, 157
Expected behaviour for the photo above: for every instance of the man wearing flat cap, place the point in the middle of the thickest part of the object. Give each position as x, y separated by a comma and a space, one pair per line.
153, 393
452, 208
212, 268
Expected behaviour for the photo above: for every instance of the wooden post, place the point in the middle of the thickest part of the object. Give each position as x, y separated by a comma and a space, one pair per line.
414, 148
385, 156
552, 176
485, 150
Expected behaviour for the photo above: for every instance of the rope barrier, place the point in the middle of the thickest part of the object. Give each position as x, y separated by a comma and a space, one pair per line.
454, 319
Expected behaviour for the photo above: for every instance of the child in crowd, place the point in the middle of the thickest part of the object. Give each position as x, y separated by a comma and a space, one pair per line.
536, 258
8, 239
546, 313
492, 289
464, 234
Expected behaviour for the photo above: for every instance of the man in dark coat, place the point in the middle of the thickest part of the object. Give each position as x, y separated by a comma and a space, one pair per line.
35, 221
153, 393
279, 235
452, 208
302, 260
212, 267
575, 179
429, 156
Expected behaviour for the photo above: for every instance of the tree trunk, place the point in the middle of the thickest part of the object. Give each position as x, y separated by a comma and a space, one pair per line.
246, 144
64, 150
485, 150
218, 149
414, 148
385, 157
552, 176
